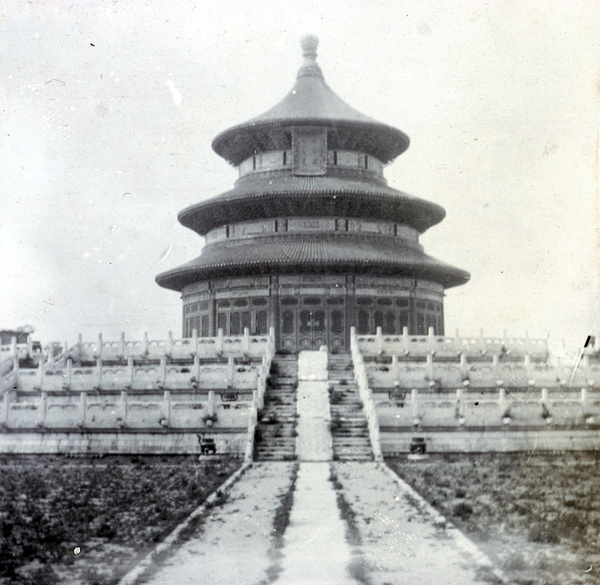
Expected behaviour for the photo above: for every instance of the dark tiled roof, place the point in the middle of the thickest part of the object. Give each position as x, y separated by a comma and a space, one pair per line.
289, 195
281, 254
311, 102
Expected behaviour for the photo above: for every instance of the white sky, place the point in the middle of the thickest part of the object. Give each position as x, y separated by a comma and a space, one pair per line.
109, 109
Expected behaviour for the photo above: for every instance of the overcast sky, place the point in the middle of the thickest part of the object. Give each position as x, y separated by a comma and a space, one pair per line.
109, 109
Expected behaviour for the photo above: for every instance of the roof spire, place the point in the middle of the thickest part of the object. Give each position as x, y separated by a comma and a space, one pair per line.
309, 45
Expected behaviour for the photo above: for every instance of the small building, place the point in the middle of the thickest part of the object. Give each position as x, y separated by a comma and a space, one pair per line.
311, 240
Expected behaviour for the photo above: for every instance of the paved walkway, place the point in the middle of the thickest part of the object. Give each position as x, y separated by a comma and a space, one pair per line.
403, 540
235, 545
315, 550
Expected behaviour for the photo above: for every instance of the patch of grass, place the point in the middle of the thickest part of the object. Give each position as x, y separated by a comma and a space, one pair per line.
51, 505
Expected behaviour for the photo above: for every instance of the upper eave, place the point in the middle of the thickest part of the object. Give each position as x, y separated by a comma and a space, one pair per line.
311, 102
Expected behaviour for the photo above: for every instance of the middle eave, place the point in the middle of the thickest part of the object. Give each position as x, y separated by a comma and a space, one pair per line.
291, 195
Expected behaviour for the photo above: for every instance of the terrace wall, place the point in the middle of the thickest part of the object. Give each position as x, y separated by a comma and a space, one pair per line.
476, 400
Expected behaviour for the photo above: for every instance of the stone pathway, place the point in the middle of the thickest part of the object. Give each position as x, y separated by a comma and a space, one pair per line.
235, 545
403, 540
315, 550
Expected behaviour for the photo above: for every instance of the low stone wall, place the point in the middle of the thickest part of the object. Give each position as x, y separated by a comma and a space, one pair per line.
231, 441
486, 440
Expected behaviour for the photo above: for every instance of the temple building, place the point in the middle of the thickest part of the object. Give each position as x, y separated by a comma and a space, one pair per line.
311, 240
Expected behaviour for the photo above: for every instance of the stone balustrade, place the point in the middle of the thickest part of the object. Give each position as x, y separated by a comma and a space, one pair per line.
91, 411
244, 346
366, 396
449, 347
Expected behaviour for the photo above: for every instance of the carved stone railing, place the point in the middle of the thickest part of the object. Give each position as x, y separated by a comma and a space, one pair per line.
360, 375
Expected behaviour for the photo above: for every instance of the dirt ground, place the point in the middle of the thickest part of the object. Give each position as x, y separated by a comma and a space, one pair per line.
536, 516
89, 520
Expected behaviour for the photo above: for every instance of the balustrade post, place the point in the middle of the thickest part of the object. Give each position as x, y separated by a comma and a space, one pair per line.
82, 408
69, 380
405, 341
430, 373
124, 406
460, 406
170, 343
166, 407
414, 406
40, 373
195, 341
527, 365
220, 341
6, 407
42, 409
431, 339
246, 340
145, 344
395, 369
130, 371
496, 366
230, 371
122, 344
100, 346
464, 366
163, 370
13, 346
50, 350
210, 407
379, 339
98, 385
197, 368
29, 345
502, 402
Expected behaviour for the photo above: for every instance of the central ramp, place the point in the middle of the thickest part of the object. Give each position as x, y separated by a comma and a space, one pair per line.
313, 442
315, 550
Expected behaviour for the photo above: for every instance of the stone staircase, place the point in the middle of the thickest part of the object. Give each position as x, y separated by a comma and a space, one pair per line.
275, 438
349, 428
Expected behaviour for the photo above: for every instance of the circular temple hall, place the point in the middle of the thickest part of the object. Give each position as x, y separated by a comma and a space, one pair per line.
311, 241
